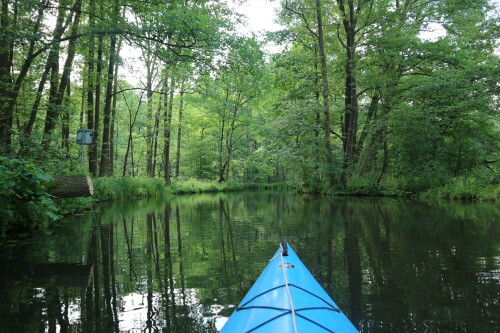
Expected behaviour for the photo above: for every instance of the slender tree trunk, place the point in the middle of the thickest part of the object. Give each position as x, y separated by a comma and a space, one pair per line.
222, 164
64, 85
53, 64
36, 104
97, 108
156, 132
149, 95
168, 130
386, 106
369, 117
125, 159
325, 91
350, 127
5, 79
230, 136
130, 145
179, 133
113, 115
9, 111
317, 113
105, 148
65, 122
366, 152
132, 165
90, 89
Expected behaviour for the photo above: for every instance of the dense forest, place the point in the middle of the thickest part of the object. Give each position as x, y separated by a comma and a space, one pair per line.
363, 96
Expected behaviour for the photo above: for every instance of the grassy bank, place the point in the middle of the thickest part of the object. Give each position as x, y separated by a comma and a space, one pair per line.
120, 188
464, 189
479, 186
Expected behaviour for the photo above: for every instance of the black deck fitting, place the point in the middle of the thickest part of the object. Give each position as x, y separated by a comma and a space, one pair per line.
284, 245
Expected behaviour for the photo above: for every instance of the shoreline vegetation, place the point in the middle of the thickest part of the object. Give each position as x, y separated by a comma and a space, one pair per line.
124, 188
109, 189
32, 208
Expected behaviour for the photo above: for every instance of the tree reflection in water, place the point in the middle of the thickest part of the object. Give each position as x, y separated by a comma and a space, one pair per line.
181, 265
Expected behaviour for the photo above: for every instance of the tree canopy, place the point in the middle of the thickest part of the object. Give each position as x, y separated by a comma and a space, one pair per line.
361, 95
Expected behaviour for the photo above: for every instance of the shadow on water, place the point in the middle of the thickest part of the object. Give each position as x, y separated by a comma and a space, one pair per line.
183, 264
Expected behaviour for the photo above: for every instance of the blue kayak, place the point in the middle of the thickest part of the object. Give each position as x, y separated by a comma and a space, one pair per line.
286, 298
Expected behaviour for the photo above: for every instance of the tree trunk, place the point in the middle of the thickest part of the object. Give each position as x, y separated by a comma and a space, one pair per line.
64, 85
350, 127
125, 159
71, 186
222, 165
325, 91
90, 88
130, 142
9, 111
155, 133
179, 133
149, 96
105, 147
36, 105
113, 115
369, 117
58, 85
97, 108
5, 79
168, 130
386, 107
65, 117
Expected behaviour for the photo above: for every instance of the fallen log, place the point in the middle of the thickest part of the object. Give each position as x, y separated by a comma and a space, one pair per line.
71, 186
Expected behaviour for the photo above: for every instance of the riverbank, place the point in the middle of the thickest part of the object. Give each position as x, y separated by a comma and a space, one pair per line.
480, 187
122, 188
128, 188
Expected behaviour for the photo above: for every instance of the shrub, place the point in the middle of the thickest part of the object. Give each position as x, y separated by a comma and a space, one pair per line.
24, 202
479, 185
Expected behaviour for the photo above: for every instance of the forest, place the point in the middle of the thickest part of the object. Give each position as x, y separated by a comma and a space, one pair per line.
377, 97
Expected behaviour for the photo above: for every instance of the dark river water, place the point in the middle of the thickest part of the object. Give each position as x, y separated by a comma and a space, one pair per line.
183, 264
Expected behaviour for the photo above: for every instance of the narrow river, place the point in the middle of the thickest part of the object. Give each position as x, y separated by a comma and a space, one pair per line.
182, 264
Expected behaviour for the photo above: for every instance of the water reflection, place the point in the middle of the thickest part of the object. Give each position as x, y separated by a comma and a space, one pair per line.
182, 264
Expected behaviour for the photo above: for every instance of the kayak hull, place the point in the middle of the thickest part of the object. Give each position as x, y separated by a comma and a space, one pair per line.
287, 298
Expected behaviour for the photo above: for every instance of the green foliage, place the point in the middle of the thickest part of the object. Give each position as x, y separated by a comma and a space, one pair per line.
24, 203
71, 206
427, 105
199, 186
481, 185
121, 188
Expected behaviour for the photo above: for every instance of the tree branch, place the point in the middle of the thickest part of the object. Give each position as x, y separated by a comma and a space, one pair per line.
303, 18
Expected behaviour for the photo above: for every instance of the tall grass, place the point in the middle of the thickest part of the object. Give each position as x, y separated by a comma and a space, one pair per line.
120, 188
462, 188
201, 186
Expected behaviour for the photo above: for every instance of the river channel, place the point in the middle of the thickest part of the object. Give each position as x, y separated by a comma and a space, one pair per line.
182, 264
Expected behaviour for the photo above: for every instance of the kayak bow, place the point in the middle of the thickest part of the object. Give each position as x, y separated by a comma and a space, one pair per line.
287, 298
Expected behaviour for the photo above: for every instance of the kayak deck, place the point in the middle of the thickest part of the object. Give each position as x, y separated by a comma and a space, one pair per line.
287, 298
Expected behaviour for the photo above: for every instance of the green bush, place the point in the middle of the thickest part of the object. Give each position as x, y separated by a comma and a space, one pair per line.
24, 202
